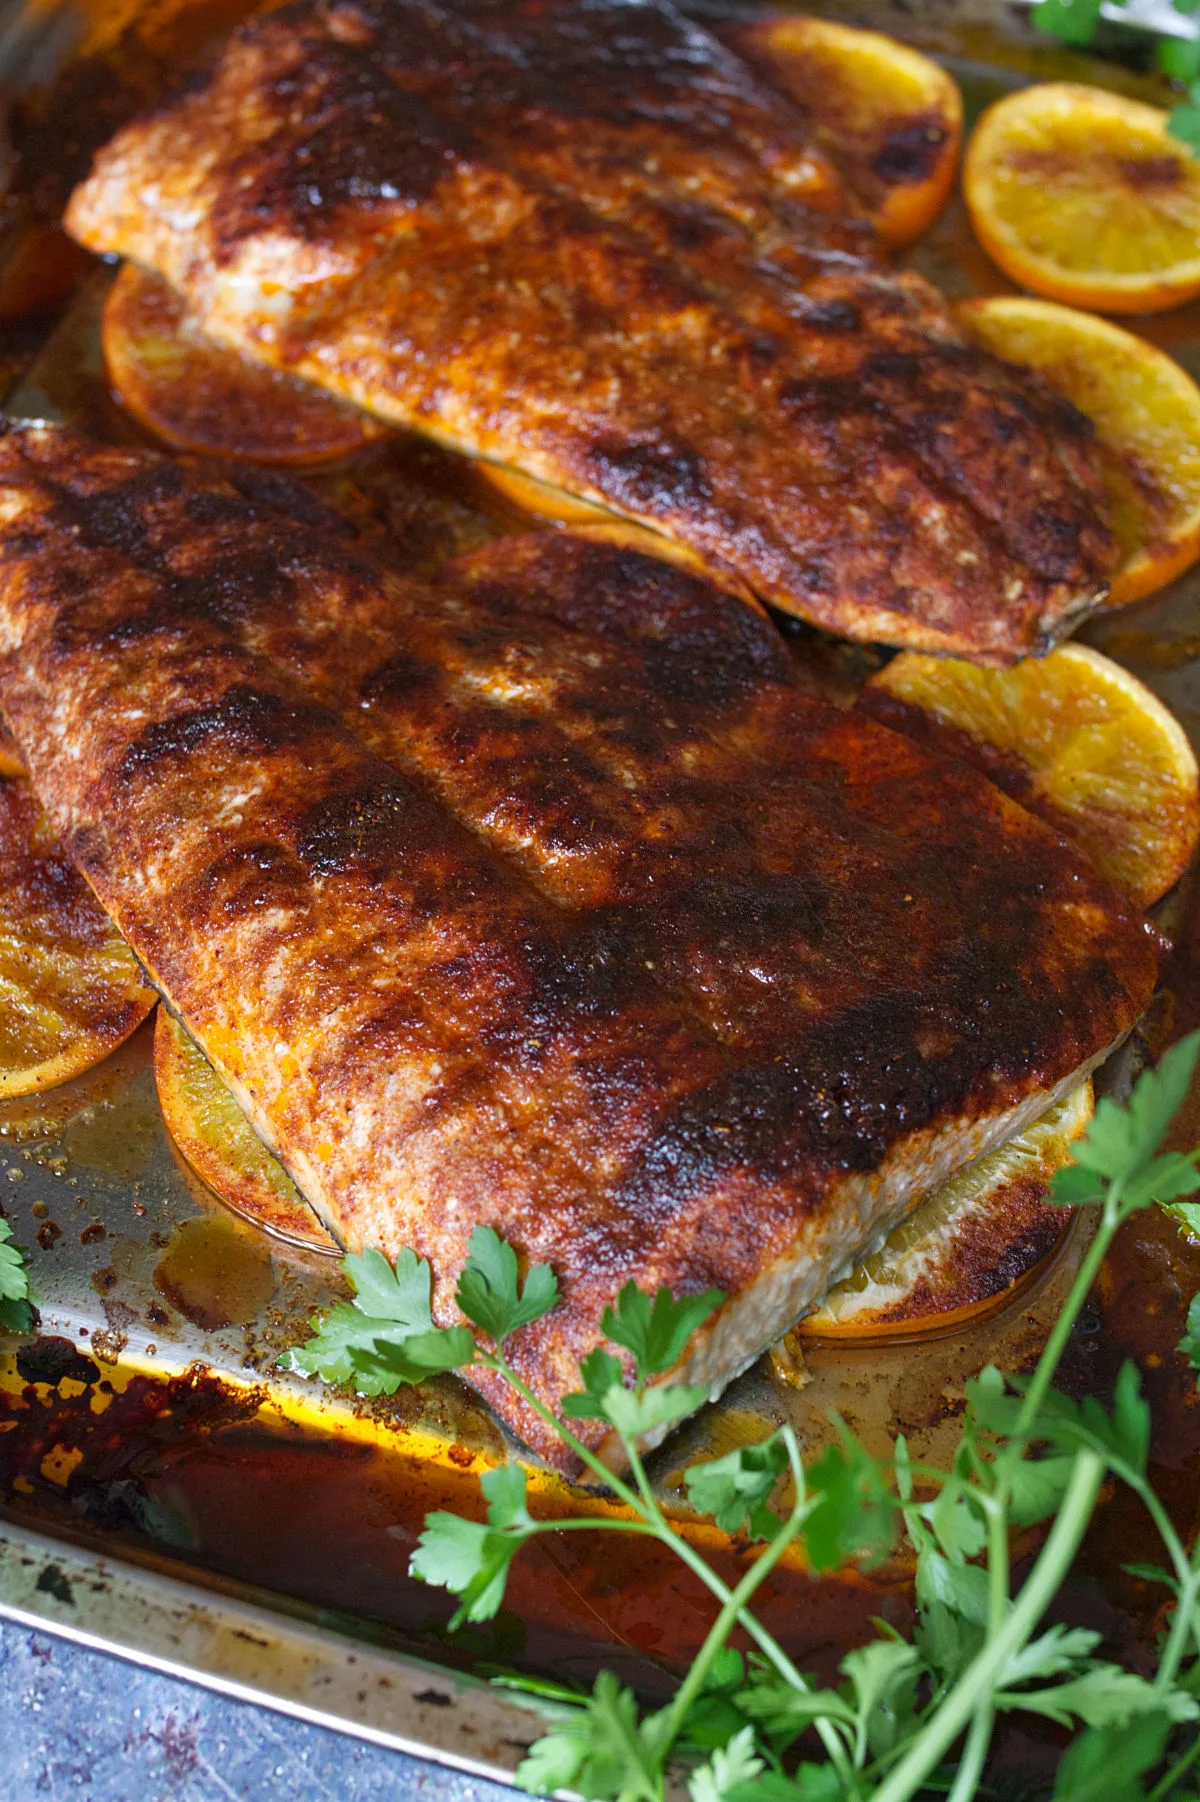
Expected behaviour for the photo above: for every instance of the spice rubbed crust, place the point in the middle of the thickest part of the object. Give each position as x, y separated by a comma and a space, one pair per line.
587, 242
541, 898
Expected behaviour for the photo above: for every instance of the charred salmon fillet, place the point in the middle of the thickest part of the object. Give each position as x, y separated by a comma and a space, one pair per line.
587, 242
540, 897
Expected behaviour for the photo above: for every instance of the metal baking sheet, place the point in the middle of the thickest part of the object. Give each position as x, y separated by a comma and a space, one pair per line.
169, 1491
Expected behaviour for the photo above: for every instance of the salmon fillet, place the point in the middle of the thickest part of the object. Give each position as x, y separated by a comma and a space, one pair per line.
585, 241
541, 897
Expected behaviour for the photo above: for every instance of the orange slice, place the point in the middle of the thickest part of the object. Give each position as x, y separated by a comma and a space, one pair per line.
216, 1139
1146, 411
888, 117
968, 1247
1074, 738
200, 397
70, 988
1081, 195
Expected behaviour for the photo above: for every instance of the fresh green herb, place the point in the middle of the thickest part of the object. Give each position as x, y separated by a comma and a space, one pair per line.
1183, 121
16, 1312
910, 1718
1176, 53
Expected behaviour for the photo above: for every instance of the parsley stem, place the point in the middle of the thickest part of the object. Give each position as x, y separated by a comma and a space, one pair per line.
1063, 1327
943, 1727
1180, 1768
722, 1627
970, 1765
998, 1597
699, 1567
586, 1456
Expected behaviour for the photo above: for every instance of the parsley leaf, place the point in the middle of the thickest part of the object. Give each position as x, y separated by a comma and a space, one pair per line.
854, 1517
601, 1372
386, 1336
16, 1314
1190, 1343
399, 1295
731, 1765
635, 1415
1105, 1696
1121, 1141
1108, 1762
1183, 121
604, 1750
810, 1783
1071, 21
883, 1677
490, 1293
656, 1331
471, 1558
736, 1488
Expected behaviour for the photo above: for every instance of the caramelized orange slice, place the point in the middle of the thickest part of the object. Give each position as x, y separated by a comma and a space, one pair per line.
199, 396
70, 988
1146, 411
216, 1139
1073, 737
968, 1247
888, 117
1081, 195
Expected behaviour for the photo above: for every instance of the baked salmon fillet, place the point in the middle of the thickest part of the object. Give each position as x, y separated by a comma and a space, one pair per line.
542, 897
586, 242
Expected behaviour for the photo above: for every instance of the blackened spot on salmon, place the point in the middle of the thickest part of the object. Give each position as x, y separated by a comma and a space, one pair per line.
689, 227
273, 492
210, 507
745, 918
910, 151
114, 518
892, 366
236, 585
245, 718
1053, 543
401, 677
694, 632
832, 397
364, 830
831, 316
653, 477
595, 967
359, 141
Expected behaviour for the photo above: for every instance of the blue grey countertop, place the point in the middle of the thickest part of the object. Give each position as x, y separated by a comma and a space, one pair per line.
77, 1724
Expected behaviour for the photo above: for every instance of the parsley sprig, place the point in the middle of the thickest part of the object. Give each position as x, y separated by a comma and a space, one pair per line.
910, 1717
16, 1311
1176, 52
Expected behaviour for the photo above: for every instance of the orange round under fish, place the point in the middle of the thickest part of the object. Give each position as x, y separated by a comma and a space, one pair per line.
70, 987
198, 396
213, 1135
